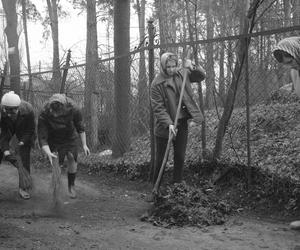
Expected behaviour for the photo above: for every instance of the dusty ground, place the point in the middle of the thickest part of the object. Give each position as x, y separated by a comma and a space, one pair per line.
106, 216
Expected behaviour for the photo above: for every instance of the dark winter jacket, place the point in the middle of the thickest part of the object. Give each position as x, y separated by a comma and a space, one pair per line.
23, 127
63, 129
165, 93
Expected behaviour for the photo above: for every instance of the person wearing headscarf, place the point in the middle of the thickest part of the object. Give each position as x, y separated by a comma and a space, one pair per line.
17, 118
287, 52
59, 124
165, 92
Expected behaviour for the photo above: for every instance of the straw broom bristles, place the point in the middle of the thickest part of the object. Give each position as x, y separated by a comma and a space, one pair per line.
56, 182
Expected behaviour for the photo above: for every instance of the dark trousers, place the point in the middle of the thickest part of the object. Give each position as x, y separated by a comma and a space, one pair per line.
25, 157
179, 146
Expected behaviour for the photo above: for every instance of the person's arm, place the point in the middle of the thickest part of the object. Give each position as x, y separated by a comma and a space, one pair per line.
78, 123
83, 142
43, 137
295, 75
158, 106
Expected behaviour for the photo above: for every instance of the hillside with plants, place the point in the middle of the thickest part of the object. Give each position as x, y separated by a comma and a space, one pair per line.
222, 186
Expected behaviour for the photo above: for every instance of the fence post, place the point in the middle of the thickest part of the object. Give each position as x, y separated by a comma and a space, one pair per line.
151, 77
249, 169
65, 73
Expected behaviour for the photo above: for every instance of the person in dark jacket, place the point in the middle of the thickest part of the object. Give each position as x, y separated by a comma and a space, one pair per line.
17, 118
287, 52
165, 92
59, 124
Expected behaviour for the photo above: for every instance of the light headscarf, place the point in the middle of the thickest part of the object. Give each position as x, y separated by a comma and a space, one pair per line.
290, 45
165, 57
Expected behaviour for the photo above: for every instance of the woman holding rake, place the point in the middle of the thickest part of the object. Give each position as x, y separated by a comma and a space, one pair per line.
165, 93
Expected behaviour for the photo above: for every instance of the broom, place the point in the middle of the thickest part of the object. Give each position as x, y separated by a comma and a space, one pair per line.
56, 182
25, 180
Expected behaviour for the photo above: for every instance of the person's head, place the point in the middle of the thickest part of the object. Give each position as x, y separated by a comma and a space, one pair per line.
10, 103
57, 104
169, 63
286, 59
287, 52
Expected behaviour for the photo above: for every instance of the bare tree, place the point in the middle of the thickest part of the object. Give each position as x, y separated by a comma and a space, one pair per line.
142, 83
52, 10
210, 80
24, 16
246, 27
9, 7
121, 141
91, 75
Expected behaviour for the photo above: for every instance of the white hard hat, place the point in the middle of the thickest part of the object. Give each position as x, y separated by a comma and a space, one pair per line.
10, 99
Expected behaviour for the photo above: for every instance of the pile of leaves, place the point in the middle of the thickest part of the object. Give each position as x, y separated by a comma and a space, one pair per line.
181, 204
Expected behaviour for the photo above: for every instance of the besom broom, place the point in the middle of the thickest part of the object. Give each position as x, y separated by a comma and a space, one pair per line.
56, 182
25, 180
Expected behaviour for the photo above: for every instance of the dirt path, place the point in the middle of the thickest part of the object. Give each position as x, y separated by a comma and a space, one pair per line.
106, 216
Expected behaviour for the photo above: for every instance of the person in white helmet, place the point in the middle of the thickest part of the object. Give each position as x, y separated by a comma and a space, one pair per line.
287, 52
17, 118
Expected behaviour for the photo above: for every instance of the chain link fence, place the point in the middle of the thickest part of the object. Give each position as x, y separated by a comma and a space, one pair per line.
262, 73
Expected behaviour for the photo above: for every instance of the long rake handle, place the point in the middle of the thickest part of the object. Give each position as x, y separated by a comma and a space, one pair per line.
163, 165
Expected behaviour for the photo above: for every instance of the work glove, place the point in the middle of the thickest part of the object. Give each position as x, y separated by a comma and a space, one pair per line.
189, 64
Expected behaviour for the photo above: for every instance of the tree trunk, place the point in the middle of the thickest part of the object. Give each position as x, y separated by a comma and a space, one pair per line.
29, 94
229, 102
210, 80
287, 12
121, 141
200, 92
143, 97
296, 14
91, 76
166, 24
221, 91
56, 76
9, 7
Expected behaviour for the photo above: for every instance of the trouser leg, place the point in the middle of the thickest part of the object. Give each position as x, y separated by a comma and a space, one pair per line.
1, 156
25, 157
160, 149
179, 144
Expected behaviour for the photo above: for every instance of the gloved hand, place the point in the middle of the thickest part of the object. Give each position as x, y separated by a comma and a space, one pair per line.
189, 64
